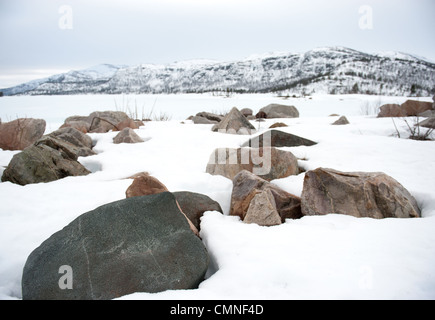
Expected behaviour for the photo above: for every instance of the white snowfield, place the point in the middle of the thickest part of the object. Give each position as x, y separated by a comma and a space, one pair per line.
317, 257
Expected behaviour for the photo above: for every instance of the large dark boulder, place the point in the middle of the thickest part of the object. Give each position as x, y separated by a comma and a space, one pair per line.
140, 244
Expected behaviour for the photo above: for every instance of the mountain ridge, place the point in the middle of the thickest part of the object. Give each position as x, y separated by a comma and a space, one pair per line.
332, 70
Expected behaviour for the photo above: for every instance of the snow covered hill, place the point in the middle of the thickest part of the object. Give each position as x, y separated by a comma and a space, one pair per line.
330, 70
68, 83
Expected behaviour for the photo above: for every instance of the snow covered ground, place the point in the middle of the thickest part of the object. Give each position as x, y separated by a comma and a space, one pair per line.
319, 257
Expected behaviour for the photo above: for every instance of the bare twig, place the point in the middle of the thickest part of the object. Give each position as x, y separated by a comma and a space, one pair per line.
398, 133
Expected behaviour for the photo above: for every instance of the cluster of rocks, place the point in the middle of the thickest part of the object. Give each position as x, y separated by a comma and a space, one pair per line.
325, 191
150, 241
143, 243
259, 155
256, 200
237, 121
102, 121
409, 108
46, 158
251, 168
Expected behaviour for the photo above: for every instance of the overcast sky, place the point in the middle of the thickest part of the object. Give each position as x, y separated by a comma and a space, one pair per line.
44, 37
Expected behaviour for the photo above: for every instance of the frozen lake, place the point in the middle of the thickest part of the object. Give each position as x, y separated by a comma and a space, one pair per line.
55, 109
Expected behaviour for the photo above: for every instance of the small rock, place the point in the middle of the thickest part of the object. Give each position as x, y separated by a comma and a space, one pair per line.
427, 114
261, 115
341, 121
278, 125
262, 210
68, 150
104, 121
73, 136
247, 185
202, 120
77, 122
127, 135
428, 123
144, 185
234, 123
280, 111
210, 116
128, 123
195, 204
277, 138
247, 112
